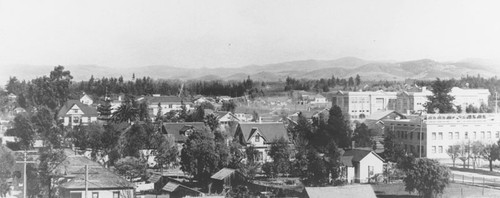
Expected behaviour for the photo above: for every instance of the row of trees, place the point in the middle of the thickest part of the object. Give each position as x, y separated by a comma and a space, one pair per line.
322, 84
474, 151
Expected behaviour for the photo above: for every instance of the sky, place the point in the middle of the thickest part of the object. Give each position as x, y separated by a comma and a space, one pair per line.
233, 33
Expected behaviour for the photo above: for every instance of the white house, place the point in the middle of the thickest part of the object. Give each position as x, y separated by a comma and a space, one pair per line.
86, 99
366, 164
226, 117
167, 103
260, 136
75, 113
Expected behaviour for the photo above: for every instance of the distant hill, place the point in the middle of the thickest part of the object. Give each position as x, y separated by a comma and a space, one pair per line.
424, 69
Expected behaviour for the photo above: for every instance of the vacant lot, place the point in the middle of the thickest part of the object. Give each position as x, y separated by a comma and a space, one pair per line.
453, 190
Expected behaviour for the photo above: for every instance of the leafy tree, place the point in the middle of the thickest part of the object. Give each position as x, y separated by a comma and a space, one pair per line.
46, 127
128, 111
131, 167
212, 121
199, 156
197, 116
280, 153
104, 110
159, 114
392, 150
167, 152
441, 99
207, 105
475, 152
358, 80
50, 158
454, 152
490, 152
362, 135
463, 155
133, 140
229, 106
338, 127
24, 130
315, 172
7, 163
427, 177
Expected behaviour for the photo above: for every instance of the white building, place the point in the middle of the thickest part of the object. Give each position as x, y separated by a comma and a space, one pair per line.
260, 136
413, 102
75, 113
358, 105
167, 103
86, 99
440, 131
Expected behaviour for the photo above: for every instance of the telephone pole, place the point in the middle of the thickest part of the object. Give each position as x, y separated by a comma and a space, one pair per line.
24, 162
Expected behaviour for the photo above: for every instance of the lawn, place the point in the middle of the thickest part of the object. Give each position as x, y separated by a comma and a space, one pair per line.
453, 190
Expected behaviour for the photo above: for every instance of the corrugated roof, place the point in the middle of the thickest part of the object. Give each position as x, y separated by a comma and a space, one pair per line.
347, 191
98, 178
223, 173
270, 131
87, 110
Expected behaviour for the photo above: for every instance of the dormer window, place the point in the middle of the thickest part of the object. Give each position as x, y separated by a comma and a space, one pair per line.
257, 138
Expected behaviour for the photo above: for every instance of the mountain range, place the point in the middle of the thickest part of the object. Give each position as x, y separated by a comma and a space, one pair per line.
424, 69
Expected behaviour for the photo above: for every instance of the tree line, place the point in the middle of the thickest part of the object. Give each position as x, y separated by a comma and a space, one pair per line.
322, 84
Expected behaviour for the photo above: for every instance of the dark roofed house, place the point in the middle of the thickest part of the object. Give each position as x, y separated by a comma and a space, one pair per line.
366, 164
75, 113
181, 130
176, 190
101, 183
260, 135
225, 179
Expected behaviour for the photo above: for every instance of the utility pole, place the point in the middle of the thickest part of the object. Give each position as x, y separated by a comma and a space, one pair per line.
421, 135
24, 162
86, 180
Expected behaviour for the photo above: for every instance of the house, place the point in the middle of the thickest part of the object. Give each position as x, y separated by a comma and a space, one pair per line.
225, 118
101, 183
244, 117
366, 164
318, 99
86, 99
75, 113
260, 135
225, 179
181, 130
347, 169
347, 191
375, 122
167, 104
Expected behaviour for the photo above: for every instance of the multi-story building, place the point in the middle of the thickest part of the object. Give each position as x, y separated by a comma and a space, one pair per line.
75, 113
413, 102
167, 103
435, 133
358, 105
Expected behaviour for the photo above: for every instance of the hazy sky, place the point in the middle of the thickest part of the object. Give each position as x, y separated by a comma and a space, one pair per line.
232, 33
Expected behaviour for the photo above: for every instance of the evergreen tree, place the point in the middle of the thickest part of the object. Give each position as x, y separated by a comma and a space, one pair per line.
441, 100
338, 127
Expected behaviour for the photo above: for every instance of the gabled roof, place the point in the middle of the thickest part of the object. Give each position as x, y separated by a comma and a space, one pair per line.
223, 173
99, 178
87, 110
269, 131
347, 191
72, 164
359, 154
178, 129
346, 160
172, 186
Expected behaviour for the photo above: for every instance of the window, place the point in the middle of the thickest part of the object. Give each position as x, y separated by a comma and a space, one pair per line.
489, 135
116, 194
170, 106
475, 135
95, 194
497, 134
440, 135
257, 138
466, 135
482, 134
433, 149
457, 135
411, 135
370, 170
76, 119
450, 135
75, 195
440, 149
434, 135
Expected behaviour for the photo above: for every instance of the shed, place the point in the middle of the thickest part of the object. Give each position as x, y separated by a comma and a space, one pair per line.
176, 190
226, 178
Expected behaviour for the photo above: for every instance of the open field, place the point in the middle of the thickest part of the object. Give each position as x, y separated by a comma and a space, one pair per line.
453, 190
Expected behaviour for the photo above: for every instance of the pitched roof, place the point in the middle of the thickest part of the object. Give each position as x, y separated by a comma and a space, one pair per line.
346, 160
178, 129
172, 186
98, 178
223, 173
359, 154
87, 110
72, 164
347, 191
270, 131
